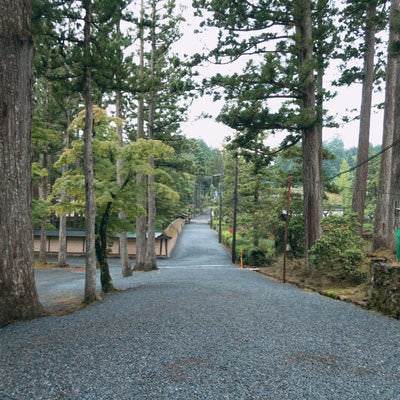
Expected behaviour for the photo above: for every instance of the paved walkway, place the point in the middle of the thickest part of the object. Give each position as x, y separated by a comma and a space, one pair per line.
198, 247
201, 328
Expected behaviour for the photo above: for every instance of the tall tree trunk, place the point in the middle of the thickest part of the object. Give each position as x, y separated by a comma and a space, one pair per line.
256, 206
126, 269
381, 229
311, 136
394, 203
62, 232
90, 275
320, 100
62, 241
44, 188
18, 295
361, 176
320, 64
141, 225
123, 242
151, 258
256, 221
101, 251
43, 193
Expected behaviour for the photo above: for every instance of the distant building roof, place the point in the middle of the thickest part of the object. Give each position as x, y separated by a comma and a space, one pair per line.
54, 233
82, 234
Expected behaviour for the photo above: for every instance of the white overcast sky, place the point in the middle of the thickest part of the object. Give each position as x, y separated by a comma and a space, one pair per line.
213, 133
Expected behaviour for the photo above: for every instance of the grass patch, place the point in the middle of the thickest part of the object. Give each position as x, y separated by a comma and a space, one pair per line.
308, 277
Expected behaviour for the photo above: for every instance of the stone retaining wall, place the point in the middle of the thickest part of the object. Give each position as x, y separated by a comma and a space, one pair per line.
385, 288
173, 231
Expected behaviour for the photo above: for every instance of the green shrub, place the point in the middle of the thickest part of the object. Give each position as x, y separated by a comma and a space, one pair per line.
226, 237
339, 250
255, 258
295, 236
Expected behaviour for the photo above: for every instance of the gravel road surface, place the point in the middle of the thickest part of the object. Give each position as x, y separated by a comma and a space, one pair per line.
200, 328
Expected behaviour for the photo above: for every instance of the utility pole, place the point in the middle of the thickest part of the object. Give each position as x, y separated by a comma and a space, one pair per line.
235, 205
220, 208
219, 205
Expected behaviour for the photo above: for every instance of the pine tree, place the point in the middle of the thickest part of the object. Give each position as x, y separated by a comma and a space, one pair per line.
18, 295
383, 229
115, 187
362, 19
90, 211
164, 82
55, 90
279, 75
360, 182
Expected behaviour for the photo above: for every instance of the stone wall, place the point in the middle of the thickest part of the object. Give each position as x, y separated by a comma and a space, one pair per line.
385, 288
173, 231
76, 241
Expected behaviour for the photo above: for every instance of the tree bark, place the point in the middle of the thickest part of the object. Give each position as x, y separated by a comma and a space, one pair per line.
381, 229
141, 225
43, 193
18, 295
90, 271
311, 136
151, 258
101, 251
126, 269
394, 203
44, 188
320, 64
62, 232
361, 176
256, 206
123, 242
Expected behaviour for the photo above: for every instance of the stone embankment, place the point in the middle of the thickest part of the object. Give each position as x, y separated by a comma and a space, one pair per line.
385, 288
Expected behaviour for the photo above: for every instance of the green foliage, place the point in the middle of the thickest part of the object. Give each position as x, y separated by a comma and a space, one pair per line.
295, 230
167, 204
337, 152
226, 237
107, 150
262, 197
268, 94
339, 251
38, 171
40, 209
255, 258
355, 23
344, 182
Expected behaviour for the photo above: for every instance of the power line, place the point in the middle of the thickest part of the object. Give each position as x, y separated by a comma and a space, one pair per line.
366, 161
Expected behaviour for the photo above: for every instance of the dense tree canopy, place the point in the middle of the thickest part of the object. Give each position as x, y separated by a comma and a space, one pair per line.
110, 94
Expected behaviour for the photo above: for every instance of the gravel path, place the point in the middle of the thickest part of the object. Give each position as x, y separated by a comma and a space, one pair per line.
200, 328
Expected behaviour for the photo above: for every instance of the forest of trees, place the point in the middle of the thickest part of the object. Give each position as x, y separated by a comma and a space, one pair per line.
93, 95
